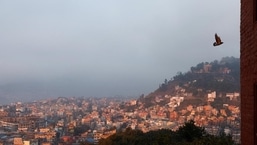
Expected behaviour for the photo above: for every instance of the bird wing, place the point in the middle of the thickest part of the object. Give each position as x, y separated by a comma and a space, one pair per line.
217, 38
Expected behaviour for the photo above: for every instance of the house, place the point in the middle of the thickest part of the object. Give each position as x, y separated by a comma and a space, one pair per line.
211, 96
232, 96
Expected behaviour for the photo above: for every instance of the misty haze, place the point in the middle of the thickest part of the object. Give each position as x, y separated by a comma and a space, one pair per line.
107, 48
134, 72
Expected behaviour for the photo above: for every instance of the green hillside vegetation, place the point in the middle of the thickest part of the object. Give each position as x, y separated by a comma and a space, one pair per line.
188, 134
221, 76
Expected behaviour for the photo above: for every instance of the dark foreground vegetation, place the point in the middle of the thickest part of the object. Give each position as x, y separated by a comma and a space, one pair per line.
188, 134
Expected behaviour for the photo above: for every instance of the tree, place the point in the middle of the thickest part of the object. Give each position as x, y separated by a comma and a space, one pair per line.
189, 132
80, 129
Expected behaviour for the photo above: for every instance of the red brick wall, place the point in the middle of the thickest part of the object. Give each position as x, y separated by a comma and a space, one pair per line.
248, 56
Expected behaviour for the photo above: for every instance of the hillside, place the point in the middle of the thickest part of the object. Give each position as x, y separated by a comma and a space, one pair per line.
220, 76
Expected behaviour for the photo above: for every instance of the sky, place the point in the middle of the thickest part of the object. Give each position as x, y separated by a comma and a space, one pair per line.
100, 48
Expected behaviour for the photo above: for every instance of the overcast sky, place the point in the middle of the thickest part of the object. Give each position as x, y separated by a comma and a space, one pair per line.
101, 48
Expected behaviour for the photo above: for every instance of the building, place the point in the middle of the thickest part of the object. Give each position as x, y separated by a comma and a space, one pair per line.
248, 64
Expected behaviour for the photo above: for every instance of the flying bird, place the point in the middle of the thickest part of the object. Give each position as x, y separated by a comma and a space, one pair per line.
218, 40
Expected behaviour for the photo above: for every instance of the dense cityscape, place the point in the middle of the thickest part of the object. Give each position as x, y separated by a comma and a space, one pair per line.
75, 120
79, 119
122, 72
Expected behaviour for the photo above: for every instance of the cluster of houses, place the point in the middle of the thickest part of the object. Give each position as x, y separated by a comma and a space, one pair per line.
58, 120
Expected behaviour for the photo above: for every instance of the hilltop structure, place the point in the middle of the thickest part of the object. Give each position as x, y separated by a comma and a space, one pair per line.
248, 52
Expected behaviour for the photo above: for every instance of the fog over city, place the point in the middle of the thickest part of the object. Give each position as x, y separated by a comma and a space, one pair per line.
108, 48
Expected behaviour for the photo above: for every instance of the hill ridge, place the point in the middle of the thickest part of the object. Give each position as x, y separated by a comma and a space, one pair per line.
221, 77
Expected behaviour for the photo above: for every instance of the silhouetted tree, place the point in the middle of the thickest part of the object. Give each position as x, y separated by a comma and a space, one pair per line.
189, 132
